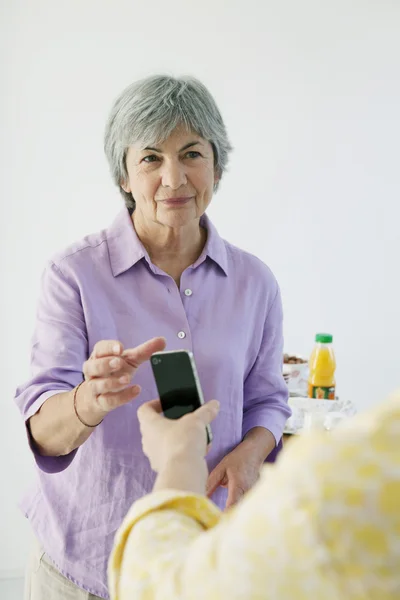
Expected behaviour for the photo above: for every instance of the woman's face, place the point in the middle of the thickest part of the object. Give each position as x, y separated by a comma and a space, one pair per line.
173, 183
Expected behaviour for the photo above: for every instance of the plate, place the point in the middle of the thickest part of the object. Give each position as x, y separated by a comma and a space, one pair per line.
301, 407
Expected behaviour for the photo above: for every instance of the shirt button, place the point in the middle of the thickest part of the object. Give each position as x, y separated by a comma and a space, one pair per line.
181, 335
188, 292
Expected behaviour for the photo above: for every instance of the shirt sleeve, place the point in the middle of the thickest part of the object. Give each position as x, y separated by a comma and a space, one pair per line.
265, 390
59, 349
325, 519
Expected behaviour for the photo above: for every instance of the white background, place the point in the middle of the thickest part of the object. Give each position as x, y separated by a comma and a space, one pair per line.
310, 93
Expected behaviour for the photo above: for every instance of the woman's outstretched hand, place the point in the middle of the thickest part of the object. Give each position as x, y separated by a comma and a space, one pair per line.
108, 377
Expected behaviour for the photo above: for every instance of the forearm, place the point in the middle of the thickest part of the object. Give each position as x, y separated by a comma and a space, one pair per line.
158, 539
261, 441
56, 430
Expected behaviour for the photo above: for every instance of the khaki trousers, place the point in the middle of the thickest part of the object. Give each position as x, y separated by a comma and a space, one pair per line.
44, 582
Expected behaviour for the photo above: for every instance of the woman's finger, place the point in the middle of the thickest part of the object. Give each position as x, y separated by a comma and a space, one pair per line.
109, 385
108, 402
235, 493
149, 410
107, 348
215, 479
207, 412
154, 405
136, 356
104, 367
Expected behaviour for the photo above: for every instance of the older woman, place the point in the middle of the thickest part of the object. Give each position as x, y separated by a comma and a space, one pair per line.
159, 275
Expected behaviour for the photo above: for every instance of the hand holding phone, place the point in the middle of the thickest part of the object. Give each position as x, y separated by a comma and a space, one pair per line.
178, 384
177, 446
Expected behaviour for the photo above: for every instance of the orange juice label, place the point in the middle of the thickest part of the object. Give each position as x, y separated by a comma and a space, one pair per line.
321, 393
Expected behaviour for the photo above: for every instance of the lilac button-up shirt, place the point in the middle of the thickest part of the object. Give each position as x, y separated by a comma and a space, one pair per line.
227, 312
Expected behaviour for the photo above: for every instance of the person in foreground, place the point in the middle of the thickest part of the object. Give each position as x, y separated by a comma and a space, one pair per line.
159, 276
323, 523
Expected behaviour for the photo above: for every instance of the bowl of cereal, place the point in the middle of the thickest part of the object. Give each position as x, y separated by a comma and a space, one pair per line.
295, 373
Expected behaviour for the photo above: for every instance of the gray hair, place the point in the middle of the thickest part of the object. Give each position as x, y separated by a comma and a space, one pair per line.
149, 110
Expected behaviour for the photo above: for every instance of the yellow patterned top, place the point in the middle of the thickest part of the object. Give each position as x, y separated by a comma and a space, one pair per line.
324, 524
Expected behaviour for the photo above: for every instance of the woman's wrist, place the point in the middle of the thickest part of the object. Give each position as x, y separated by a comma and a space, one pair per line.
260, 442
84, 407
185, 472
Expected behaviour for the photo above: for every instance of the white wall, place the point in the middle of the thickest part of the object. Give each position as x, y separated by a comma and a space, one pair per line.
310, 93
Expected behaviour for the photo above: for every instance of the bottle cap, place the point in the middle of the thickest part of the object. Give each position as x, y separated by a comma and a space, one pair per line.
324, 338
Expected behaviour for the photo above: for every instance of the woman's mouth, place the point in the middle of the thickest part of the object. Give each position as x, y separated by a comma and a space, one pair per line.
175, 202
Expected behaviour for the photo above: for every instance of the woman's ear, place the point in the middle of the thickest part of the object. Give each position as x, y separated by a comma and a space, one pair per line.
126, 187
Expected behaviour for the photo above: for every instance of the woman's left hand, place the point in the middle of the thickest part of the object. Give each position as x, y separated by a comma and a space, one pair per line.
238, 471
165, 440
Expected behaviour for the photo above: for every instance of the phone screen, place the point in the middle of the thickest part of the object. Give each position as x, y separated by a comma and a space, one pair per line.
176, 383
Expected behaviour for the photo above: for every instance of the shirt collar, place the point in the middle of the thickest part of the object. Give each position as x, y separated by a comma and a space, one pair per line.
215, 247
125, 248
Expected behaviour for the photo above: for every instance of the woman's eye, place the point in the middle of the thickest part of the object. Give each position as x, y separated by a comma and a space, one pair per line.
192, 154
149, 159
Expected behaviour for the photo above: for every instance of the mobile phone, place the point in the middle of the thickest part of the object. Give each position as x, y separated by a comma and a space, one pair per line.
178, 384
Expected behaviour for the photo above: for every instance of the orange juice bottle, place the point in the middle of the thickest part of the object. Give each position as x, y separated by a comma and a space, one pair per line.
322, 365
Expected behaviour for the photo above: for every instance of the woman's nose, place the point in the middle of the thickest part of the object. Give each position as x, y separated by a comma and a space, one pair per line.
173, 174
